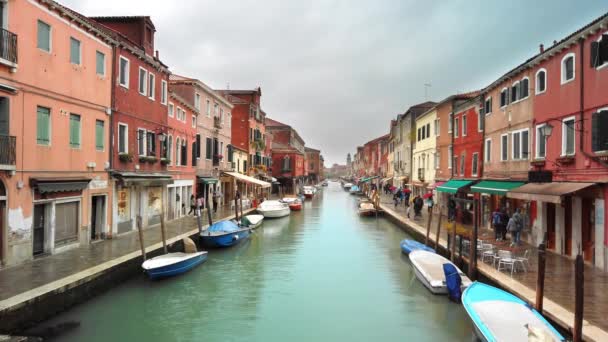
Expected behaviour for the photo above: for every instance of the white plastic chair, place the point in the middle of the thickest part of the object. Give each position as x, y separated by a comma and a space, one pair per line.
506, 261
488, 254
524, 260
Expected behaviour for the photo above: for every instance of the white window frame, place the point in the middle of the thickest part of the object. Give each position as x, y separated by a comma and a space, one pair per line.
144, 141
171, 109
145, 91
456, 127
463, 167
197, 101
517, 93
163, 92
193, 121
464, 125
208, 108
504, 145
599, 39
537, 142
450, 122
151, 86
475, 157
521, 83
487, 150
521, 155
128, 69
489, 98
437, 158
506, 90
79, 51
170, 146
563, 153
450, 156
229, 119
437, 127
178, 113
104, 63
50, 34
178, 154
536, 91
126, 137
563, 68
480, 118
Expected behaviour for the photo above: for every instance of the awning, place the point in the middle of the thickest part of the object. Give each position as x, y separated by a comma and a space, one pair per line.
495, 187
46, 185
207, 180
453, 185
368, 179
546, 192
436, 184
387, 179
143, 178
248, 179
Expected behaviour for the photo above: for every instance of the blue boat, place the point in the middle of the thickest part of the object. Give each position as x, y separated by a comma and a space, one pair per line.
224, 234
171, 264
408, 246
501, 316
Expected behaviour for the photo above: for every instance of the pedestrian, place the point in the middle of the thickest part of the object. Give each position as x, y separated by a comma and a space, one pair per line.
395, 200
451, 210
418, 204
497, 224
430, 203
518, 227
214, 199
192, 205
407, 211
406, 196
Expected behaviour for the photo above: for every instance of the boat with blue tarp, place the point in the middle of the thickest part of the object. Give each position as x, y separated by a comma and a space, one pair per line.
224, 234
408, 245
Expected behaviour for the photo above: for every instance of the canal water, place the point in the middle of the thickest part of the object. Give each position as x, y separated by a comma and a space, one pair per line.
322, 274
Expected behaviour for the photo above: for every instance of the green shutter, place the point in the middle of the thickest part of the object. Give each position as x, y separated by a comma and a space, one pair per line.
43, 126
74, 130
100, 66
44, 36
99, 128
74, 51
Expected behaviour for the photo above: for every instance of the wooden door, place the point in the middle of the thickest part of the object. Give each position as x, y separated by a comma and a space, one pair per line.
39, 223
568, 225
550, 219
588, 229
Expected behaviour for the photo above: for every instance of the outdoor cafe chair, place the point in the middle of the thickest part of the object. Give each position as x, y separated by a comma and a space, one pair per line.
488, 254
506, 261
524, 260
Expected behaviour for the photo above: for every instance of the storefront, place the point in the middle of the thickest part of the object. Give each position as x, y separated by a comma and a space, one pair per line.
452, 190
493, 195
179, 198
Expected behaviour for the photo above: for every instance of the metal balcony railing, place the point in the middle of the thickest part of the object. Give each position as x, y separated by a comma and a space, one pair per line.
8, 46
8, 146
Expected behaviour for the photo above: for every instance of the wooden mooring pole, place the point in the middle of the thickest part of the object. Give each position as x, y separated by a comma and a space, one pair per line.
438, 230
473, 243
428, 226
540, 278
577, 335
162, 226
141, 237
453, 243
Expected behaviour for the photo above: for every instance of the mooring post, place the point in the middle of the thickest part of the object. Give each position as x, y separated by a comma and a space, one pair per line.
460, 258
141, 237
208, 210
577, 335
540, 277
453, 243
236, 206
162, 232
199, 221
473, 243
428, 226
241, 200
438, 230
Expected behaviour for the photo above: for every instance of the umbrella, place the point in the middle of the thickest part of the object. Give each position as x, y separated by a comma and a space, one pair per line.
407, 191
427, 195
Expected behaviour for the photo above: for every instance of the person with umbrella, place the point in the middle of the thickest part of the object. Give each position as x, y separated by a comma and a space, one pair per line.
406, 196
429, 201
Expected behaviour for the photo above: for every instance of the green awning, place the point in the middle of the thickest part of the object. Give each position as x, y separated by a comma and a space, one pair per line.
453, 185
207, 180
495, 187
368, 179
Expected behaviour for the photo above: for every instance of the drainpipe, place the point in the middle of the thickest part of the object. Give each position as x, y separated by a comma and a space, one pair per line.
112, 106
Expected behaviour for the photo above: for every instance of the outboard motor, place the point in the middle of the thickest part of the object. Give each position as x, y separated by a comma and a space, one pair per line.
452, 282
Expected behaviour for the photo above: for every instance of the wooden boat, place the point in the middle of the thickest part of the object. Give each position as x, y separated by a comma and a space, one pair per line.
354, 190
295, 205
408, 246
309, 191
273, 209
171, 264
224, 234
429, 270
367, 209
500, 316
252, 221
289, 200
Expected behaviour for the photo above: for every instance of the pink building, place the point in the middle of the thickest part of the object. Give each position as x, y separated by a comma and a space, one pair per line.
54, 111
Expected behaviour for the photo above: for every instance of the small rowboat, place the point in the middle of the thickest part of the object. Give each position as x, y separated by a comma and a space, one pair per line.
172, 264
309, 191
501, 316
367, 209
429, 270
295, 206
252, 221
224, 234
408, 246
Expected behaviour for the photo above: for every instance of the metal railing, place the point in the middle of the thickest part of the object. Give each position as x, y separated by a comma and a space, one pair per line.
8, 45
8, 146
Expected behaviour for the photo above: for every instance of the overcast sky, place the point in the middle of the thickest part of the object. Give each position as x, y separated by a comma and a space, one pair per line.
338, 71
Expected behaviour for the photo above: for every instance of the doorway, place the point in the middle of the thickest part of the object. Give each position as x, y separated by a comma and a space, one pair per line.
588, 229
550, 226
39, 228
98, 214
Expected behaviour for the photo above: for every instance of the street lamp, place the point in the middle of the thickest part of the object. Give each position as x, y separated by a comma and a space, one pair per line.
546, 130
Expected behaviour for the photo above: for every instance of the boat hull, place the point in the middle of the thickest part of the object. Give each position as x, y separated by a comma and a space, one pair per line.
295, 206
225, 239
309, 196
430, 271
365, 212
408, 246
275, 213
177, 268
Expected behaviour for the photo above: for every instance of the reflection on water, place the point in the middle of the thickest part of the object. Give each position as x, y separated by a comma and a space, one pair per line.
321, 274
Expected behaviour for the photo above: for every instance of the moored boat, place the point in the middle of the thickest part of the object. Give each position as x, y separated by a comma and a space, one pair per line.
295, 205
347, 186
273, 209
324, 183
171, 264
354, 190
252, 221
408, 246
428, 267
367, 209
500, 316
308, 191
224, 234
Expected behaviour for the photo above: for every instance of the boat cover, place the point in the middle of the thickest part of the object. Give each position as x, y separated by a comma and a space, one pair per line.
452, 282
223, 226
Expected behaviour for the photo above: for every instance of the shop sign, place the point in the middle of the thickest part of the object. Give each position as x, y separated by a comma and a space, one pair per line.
98, 184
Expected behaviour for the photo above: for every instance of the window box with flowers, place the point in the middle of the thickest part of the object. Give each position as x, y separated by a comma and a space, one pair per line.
165, 161
125, 157
148, 159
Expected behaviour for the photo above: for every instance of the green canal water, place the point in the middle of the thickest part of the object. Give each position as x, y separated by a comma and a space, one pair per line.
322, 274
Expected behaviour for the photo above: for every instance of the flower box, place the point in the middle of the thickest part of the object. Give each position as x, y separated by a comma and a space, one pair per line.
165, 161
538, 163
566, 160
125, 157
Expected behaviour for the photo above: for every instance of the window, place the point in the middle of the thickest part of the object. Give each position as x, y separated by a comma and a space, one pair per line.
184, 157
99, 135
170, 109
44, 36
428, 130
437, 127
524, 88
541, 142
193, 121
480, 121
170, 149
100, 63
437, 160
504, 141
143, 81
488, 150
150, 144
568, 68
541, 81
450, 123
462, 165
520, 143
474, 164
455, 165
599, 130
450, 157
229, 119
197, 101
141, 142
464, 125
504, 96
123, 77
487, 106
43, 126
568, 136
123, 138
198, 146
418, 135
178, 151
515, 92
208, 149
216, 109
163, 92
151, 85
75, 130
208, 108
286, 163
75, 51
456, 123
599, 52
222, 115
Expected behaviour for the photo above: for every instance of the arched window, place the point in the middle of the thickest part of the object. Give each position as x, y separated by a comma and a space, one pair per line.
170, 149
568, 68
541, 81
178, 153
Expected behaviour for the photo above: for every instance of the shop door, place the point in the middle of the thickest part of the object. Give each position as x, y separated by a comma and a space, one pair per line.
550, 219
568, 225
66, 222
39, 224
97, 216
588, 229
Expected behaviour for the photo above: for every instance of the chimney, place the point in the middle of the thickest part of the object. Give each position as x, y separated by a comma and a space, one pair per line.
542, 48
554, 42
157, 55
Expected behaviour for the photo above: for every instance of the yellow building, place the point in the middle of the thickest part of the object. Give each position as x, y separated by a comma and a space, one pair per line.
424, 153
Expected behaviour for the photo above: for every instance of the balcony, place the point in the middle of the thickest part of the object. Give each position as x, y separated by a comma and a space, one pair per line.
217, 122
421, 174
8, 145
216, 160
8, 48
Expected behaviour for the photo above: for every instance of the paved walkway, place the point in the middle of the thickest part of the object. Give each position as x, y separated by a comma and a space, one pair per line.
46, 270
559, 279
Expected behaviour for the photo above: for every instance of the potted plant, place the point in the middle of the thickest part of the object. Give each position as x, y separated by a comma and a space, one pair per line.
152, 159
125, 157
165, 161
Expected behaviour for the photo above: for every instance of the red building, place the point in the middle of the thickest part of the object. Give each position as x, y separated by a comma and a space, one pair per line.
313, 164
467, 142
288, 155
139, 122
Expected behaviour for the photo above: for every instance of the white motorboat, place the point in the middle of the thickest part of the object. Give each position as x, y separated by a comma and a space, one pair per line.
347, 186
429, 270
274, 209
289, 200
252, 221
308, 191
